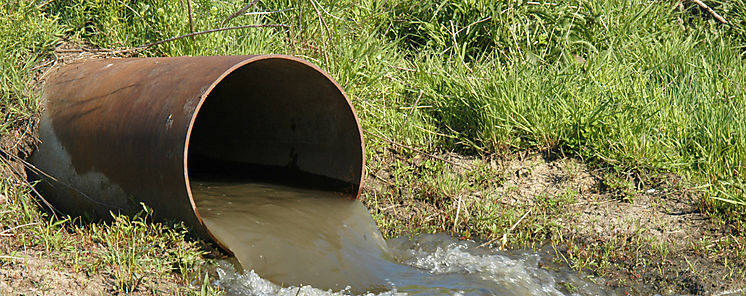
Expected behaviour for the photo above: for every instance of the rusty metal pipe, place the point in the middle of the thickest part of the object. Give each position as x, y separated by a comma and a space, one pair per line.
117, 132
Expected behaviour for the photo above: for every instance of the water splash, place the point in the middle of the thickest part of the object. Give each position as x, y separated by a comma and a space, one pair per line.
297, 241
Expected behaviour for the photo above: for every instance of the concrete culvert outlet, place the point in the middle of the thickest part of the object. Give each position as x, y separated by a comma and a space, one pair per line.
117, 132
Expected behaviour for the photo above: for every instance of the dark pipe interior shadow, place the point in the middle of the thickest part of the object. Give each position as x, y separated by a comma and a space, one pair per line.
213, 170
277, 121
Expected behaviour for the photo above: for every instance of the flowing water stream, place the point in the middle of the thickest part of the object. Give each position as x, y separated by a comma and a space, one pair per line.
297, 241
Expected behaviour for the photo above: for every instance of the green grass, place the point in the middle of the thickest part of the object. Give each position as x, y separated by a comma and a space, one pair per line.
635, 88
135, 252
650, 95
28, 35
136, 249
634, 85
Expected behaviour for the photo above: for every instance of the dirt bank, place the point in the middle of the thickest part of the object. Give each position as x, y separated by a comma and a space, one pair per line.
643, 238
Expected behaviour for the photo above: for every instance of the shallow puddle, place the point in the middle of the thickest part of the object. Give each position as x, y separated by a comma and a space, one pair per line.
295, 241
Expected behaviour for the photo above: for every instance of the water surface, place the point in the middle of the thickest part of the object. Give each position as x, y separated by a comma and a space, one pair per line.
294, 240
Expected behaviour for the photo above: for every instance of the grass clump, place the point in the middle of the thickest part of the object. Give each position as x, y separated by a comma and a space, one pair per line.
472, 30
639, 93
124, 24
136, 253
28, 35
135, 248
734, 12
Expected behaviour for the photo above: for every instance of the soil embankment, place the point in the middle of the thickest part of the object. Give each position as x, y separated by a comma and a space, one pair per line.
643, 238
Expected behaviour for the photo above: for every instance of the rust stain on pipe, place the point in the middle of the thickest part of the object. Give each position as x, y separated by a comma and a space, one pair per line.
117, 132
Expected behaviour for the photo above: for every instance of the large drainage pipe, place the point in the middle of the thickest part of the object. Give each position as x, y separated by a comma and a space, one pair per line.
117, 132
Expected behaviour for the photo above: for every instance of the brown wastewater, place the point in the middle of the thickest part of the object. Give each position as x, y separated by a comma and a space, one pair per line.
292, 240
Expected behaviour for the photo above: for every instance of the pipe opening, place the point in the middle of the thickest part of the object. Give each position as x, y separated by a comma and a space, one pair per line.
277, 120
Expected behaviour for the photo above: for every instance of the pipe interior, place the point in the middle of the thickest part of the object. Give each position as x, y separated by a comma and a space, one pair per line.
277, 120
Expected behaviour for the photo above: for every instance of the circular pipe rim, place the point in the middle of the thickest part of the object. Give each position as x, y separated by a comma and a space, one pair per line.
217, 81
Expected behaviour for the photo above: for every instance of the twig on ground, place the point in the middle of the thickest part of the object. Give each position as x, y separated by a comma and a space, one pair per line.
125, 50
458, 211
601, 17
36, 170
213, 31
473, 23
414, 106
23, 135
323, 27
382, 179
268, 12
418, 107
388, 208
42, 65
730, 292
11, 257
44, 3
429, 218
6, 232
334, 16
191, 19
712, 12
504, 239
20, 178
415, 150
239, 12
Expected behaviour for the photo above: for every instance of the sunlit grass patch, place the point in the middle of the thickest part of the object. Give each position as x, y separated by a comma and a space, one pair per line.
138, 254
28, 34
134, 249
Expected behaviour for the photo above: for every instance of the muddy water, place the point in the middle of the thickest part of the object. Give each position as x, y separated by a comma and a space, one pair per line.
291, 239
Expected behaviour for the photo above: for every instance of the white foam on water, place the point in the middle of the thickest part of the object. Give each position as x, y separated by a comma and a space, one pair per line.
297, 236
518, 274
439, 256
251, 284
